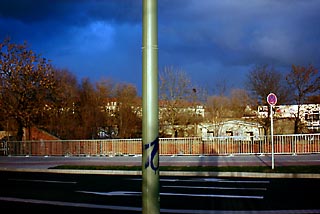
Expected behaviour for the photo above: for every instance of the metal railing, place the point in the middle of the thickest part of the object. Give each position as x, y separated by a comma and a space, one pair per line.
283, 144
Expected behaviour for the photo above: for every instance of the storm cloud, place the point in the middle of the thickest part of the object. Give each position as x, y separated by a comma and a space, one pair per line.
211, 40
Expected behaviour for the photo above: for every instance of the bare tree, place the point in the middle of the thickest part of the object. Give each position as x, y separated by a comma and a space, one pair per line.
262, 80
177, 94
59, 117
239, 102
217, 107
221, 108
107, 99
129, 108
89, 112
304, 82
26, 84
78, 112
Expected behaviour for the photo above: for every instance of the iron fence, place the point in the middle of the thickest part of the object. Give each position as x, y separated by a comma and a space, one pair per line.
283, 144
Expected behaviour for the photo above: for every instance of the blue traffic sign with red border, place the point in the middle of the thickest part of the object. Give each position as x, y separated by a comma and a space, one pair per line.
272, 99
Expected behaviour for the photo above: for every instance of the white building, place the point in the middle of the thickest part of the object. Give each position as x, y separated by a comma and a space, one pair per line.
236, 128
309, 113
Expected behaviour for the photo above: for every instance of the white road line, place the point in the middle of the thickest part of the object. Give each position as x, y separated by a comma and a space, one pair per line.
220, 180
43, 181
223, 188
236, 181
113, 193
69, 204
214, 195
184, 180
138, 209
209, 180
125, 193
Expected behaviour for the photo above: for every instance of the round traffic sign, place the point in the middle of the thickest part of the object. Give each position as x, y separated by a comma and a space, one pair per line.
272, 99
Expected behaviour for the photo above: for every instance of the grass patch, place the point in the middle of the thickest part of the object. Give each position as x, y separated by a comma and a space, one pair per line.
265, 169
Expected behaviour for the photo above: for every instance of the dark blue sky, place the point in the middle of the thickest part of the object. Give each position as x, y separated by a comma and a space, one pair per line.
213, 41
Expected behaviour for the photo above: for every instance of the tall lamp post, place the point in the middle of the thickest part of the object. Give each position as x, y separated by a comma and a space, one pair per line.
150, 110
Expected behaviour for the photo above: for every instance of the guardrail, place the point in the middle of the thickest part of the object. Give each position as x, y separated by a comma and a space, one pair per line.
283, 144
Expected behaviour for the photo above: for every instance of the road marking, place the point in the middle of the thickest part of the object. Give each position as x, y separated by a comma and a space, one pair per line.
223, 188
235, 181
221, 180
69, 204
42, 181
214, 195
128, 193
113, 193
138, 209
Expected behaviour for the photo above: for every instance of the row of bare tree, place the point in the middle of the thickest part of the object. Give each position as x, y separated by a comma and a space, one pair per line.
301, 85
34, 93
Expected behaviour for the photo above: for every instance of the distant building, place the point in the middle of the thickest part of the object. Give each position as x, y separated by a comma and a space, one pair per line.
309, 113
236, 128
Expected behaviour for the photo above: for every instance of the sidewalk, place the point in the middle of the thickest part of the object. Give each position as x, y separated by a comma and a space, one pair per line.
43, 164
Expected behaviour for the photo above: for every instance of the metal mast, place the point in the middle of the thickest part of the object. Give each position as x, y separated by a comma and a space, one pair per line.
150, 112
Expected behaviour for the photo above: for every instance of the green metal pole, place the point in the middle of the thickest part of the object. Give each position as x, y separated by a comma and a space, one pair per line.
150, 112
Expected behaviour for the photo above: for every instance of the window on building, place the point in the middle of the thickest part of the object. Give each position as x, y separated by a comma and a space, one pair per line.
229, 133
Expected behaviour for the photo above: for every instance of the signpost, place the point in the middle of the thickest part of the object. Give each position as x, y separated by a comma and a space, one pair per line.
272, 100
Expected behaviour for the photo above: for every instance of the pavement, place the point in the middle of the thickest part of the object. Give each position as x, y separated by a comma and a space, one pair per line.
46, 163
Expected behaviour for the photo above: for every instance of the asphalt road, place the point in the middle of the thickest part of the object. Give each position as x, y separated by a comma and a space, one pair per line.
28, 185
84, 193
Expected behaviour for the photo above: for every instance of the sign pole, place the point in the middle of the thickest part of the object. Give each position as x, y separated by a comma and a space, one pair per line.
272, 146
272, 100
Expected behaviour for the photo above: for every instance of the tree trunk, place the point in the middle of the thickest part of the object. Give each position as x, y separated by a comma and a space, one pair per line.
20, 130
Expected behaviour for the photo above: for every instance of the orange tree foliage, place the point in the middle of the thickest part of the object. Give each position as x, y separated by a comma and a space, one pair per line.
129, 108
26, 84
